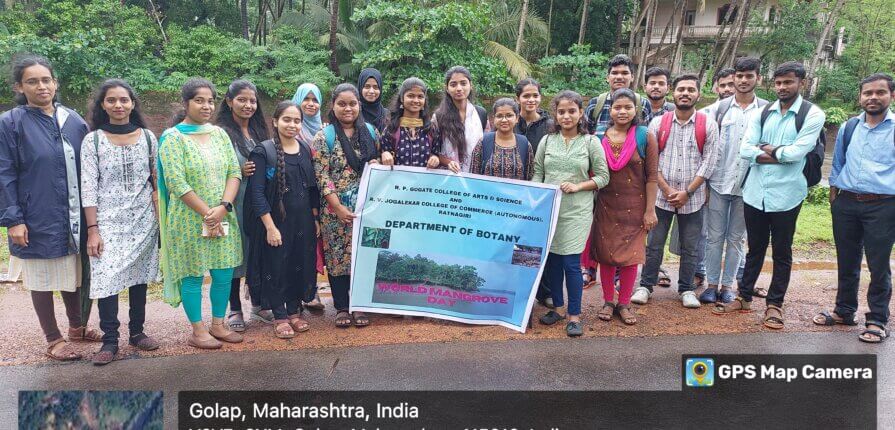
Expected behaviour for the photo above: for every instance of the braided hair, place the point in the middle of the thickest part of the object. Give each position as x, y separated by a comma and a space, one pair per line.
281, 155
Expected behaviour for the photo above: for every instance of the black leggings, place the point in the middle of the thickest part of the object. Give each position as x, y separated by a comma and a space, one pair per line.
43, 305
108, 315
340, 286
236, 301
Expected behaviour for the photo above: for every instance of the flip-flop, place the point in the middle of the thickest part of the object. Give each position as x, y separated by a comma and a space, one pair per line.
361, 320
664, 280
236, 322
283, 330
606, 316
343, 319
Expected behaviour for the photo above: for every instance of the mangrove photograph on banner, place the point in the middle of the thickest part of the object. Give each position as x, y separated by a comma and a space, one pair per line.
426, 244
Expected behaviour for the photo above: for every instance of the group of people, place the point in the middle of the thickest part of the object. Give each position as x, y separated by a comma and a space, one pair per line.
99, 207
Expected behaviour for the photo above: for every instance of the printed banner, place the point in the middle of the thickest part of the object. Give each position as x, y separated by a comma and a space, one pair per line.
466, 248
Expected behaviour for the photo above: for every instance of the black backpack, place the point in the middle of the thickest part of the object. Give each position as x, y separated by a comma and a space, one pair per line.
850, 127
815, 159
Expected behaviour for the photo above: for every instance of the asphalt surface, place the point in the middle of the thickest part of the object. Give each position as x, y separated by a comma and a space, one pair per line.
642, 363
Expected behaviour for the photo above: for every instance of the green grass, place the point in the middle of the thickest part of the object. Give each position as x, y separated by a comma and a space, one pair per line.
814, 227
4, 246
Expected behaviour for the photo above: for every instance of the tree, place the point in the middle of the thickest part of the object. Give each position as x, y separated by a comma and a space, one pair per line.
583, 28
831, 18
522, 17
333, 27
244, 17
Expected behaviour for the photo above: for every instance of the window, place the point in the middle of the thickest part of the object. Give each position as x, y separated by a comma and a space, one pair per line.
690, 18
722, 13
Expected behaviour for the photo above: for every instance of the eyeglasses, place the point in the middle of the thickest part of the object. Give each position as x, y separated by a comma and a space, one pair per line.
504, 117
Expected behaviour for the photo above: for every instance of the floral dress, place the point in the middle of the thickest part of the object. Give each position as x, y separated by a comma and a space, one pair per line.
335, 175
116, 180
204, 169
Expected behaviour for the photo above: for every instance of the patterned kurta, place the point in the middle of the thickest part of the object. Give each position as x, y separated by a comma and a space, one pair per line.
334, 175
410, 151
504, 163
204, 169
116, 180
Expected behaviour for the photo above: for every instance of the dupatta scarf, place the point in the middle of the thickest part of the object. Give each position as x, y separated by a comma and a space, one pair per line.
310, 125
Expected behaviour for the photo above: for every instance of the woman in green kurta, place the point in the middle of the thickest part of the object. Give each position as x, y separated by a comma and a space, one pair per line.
198, 180
342, 149
566, 157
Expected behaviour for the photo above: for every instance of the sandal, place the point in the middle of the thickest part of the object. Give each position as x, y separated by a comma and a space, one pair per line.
264, 316
828, 319
236, 322
361, 320
283, 330
881, 335
606, 311
298, 324
627, 315
664, 280
773, 317
589, 277
343, 319
315, 304
760, 292
84, 334
738, 305
60, 350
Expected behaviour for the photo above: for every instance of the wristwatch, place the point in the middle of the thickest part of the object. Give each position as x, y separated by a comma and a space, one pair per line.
227, 205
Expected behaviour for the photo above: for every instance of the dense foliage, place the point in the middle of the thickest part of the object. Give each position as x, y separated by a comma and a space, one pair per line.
402, 268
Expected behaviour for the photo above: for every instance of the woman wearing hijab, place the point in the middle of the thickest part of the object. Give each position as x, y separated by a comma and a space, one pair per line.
308, 99
369, 83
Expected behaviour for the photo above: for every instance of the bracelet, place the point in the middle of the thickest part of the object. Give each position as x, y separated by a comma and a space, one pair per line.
91, 226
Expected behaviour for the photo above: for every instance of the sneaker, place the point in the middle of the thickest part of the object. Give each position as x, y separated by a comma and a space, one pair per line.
574, 329
688, 298
727, 295
641, 295
710, 295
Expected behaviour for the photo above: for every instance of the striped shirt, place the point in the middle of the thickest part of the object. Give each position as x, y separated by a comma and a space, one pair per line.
681, 161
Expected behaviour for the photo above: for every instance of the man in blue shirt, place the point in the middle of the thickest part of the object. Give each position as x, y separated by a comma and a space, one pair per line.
774, 189
862, 199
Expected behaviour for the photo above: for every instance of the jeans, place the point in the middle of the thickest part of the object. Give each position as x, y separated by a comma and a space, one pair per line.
568, 266
191, 292
690, 228
700, 247
868, 227
108, 314
778, 228
726, 226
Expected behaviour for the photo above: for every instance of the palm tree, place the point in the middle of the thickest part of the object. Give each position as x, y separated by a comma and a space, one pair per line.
504, 30
519, 37
583, 28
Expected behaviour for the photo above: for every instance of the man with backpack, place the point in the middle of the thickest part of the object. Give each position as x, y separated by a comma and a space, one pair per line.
724, 220
687, 156
862, 200
619, 75
781, 145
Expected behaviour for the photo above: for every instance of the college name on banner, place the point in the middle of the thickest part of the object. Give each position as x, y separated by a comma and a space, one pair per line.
465, 248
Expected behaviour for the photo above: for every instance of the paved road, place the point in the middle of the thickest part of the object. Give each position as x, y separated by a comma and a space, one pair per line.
588, 364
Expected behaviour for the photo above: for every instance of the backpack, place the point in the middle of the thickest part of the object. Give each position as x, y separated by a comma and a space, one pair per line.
329, 132
725, 105
601, 101
850, 127
488, 142
642, 141
665, 130
270, 155
148, 152
815, 159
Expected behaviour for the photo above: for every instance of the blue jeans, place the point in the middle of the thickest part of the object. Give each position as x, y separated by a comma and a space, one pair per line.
690, 228
701, 247
726, 226
568, 266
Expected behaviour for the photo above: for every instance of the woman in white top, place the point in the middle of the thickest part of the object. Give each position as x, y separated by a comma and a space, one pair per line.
118, 195
460, 123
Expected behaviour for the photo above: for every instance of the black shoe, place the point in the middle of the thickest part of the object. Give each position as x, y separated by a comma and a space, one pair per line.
551, 318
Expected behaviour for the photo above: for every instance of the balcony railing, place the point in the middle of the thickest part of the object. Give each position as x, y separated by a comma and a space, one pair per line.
697, 32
